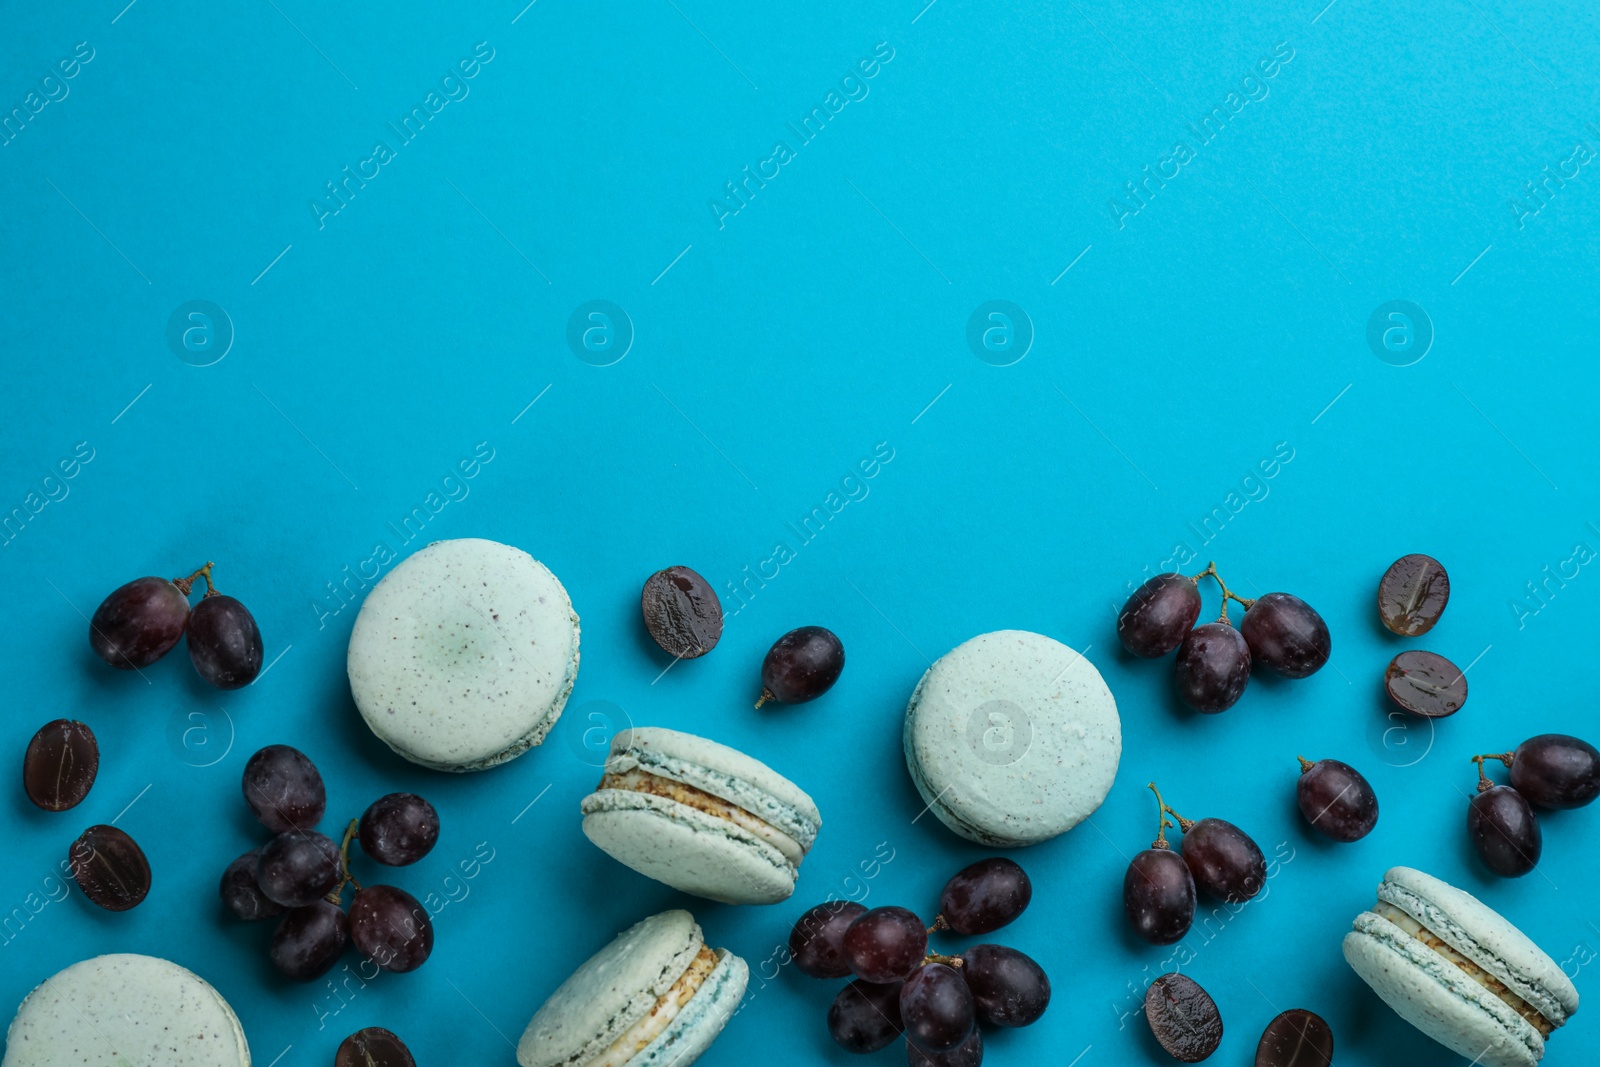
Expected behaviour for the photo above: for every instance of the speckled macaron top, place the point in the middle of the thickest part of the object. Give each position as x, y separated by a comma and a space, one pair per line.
111, 1011
464, 655
1012, 738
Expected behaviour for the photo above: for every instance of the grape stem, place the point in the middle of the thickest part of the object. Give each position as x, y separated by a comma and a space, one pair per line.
1503, 757
939, 923
344, 863
1184, 825
766, 695
186, 584
1484, 784
949, 961
1227, 594
1305, 764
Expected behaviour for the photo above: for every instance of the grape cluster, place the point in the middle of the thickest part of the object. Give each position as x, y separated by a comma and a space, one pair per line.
1280, 632
141, 621
801, 665
938, 1002
299, 876
1553, 771
1159, 888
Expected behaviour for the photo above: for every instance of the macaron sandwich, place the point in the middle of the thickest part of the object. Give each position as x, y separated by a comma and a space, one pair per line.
701, 817
1458, 971
657, 996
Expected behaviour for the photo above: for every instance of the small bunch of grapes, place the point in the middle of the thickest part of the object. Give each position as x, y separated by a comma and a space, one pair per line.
1280, 632
300, 874
1554, 771
936, 1001
140, 622
1158, 892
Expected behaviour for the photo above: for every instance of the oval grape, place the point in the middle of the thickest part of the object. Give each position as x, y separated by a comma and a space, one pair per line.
967, 1054
1158, 615
298, 866
1158, 895
885, 944
1286, 635
309, 941
1225, 861
242, 894
1008, 988
391, 928
801, 665
1503, 828
865, 1016
936, 1006
1213, 667
373, 1047
224, 642
399, 829
984, 896
1556, 771
816, 944
60, 765
1296, 1038
284, 789
1336, 799
138, 623
1413, 594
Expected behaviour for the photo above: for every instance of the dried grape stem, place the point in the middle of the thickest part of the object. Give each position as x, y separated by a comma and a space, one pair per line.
949, 961
766, 695
1305, 764
1161, 831
1227, 594
344, 863
186, 584
1484, 784
939, 923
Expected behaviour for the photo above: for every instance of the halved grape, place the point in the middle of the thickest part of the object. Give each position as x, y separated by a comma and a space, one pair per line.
138, 623
224, 642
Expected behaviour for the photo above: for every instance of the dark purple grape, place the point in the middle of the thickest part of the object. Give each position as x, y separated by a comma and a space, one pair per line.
1183, 1018
1426, 684
1505, 831
110, 868
284, 789
816, 944
309, 940
60, 765
224, 642
138, 623
391, 928
985, 896
1286, 635
682, 612
399, 829
1336, 799
967, 1054
1225, 862
373, 1047
1213, 667
936, 1006
297, 867
1556, 771
1008, 987
801, 665
1158, 895
242, 894
885, 944
1413, 594
1296, 1038
1159, 615
865, 1016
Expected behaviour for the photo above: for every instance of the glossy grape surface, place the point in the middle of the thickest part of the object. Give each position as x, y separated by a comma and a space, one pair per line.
985, 896
60, 765
967, 1054
885, 944
284, 789
937, 1008
1556, 771
1413, 594
1225, 861
1159, 615
298, 866
373, 1047
224, 642
1183, 1018
110, 868
816, 944
1336, 799
391, 928
1503, 828
865, 1016
138, 623
399, 829
1008, 987
681, 612
1296, 1038
1212, 668
1425, 683
802, 665
242, 895
1158, 895
1286, 635
309, 940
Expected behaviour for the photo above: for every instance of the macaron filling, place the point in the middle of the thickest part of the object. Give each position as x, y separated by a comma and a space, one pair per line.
1416, 929
636, 780
637, 1037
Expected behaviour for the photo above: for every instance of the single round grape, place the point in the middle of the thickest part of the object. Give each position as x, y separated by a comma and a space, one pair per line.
816, 944
801, 665
224, 642
1286, 635
391, 928
1158, 895
1159, 615
373, 1047
865, 1016
1212, 668
399, 829
1008, 987
1504, 830
985, 896
936, 1006
1556, 771
242, 894
1225, 862
284, 789
308, 940
138, 623
967, 1054
297, 867
1336, 799
885, 944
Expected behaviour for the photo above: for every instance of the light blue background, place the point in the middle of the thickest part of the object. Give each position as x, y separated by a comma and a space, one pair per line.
1227, 315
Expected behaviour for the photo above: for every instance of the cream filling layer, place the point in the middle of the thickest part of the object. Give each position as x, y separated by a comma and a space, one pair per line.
638, 781
1411, 926
640, 1034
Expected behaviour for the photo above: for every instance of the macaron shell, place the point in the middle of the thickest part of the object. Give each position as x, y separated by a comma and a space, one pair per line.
463, 656
687, 849
1012, 738
699, 1022
114, 1010
1438, 998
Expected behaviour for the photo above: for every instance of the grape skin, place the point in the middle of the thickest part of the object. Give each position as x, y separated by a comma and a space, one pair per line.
1008, 988
298, 866
284, 789
816, 944
224, 642
1505, 831
242, 895
1286, 635
309, 940
1213, 667
865, 1016
1158, 896
1158, 615
985, 896
1224, 860
802, 665
1336, 799
391, 928
885, 944
968, 1054
138, 623
1556, 771
399, 829
937, 1008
